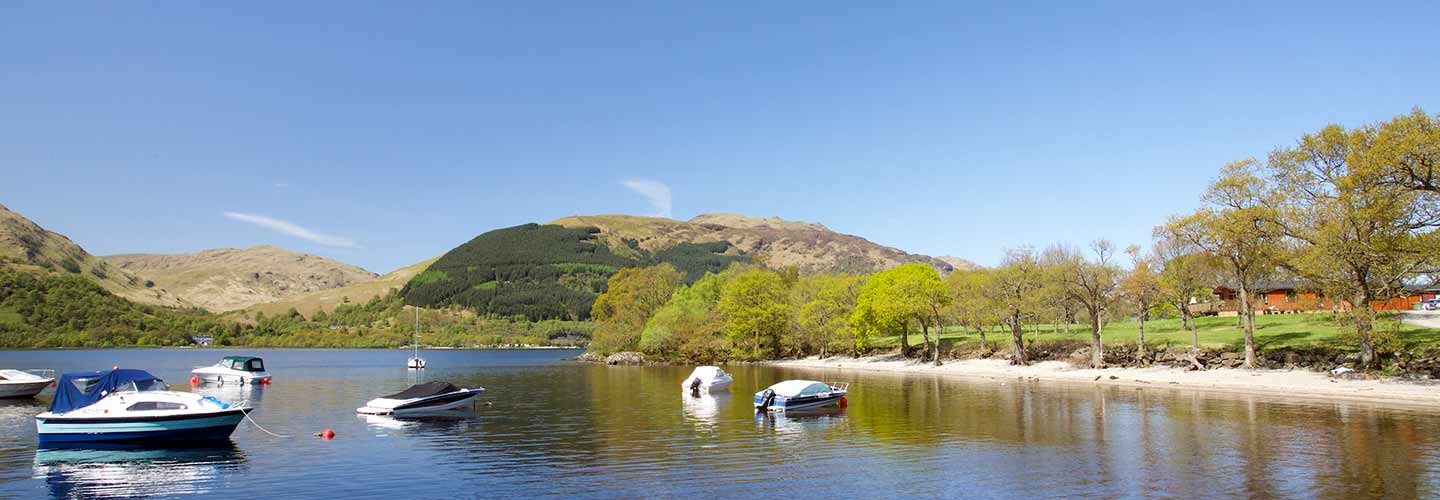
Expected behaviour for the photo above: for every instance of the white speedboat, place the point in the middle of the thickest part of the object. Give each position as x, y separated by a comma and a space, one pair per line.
421, 398
707, 378
132, 406
800, 395
234, 370
24, 384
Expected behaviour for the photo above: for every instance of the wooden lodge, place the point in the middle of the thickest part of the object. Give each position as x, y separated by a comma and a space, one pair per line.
1292, 297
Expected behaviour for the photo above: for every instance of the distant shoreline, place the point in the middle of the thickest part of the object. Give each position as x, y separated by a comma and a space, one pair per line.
236, 347
1277, 383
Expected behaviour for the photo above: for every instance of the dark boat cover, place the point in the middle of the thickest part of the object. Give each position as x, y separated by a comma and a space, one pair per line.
424, 390
69, 396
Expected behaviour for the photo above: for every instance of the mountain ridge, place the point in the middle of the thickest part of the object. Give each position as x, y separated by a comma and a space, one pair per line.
227, 279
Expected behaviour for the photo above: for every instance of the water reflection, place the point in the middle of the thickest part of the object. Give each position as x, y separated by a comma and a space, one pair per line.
131, 472
703, 408
436, 423
232, 393
800, 423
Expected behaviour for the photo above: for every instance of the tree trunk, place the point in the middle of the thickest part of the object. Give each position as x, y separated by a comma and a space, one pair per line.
1247, 317
1364, 328
1017, 333
1097, 351
1141, 350
925, 339
981, 331
1067, 324
1190, 324
905, 340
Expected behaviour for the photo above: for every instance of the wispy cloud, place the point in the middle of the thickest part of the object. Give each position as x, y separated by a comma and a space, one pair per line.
292, 229
656, 193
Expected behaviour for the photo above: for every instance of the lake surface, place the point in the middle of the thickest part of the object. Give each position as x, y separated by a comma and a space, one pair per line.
548, 428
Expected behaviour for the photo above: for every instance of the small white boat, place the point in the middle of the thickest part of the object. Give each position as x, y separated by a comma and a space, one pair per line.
132, 406
801, 395
415, 364
234, 370
24, 384
421, 398
707, 378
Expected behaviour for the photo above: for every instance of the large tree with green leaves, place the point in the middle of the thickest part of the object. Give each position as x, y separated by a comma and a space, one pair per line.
755, 308
1349, 229
970, 305
1090, 282
1186, 273
896, 298
823, 303
1141, 289
1232, 226
631, 297
1013, 287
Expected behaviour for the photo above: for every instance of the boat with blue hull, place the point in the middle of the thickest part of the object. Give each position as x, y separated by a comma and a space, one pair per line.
792, 395
132, 406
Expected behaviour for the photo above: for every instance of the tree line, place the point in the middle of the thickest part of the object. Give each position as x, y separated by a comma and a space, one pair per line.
1350, 213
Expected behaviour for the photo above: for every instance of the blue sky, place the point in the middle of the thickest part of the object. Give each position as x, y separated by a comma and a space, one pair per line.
386, 133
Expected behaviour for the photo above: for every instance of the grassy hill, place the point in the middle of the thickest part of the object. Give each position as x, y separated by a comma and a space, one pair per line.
549, 271
309, 303
26, 246
227, 279
809, 247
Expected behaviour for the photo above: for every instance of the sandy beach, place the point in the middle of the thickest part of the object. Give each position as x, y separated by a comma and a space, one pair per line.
1287, 383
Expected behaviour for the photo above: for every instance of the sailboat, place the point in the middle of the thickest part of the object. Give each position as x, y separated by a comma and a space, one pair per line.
416, 362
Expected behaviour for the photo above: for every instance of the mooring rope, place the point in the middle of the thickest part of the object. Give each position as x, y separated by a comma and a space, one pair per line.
262, 429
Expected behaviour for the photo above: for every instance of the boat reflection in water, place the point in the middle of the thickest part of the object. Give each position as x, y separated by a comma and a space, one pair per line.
445, 422
703, 408
235, 393
800, 424
132, 471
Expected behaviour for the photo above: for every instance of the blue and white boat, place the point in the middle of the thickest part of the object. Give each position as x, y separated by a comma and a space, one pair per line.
132, 406
800, 394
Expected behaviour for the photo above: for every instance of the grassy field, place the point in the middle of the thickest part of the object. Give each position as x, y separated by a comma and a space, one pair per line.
1271, 331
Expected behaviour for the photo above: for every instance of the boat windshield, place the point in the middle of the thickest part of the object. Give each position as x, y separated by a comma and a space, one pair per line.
150, 385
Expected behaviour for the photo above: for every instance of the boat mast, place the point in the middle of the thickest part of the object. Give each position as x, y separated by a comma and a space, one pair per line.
417, 332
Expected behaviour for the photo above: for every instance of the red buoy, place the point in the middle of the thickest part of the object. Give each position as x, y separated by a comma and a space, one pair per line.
327, 434
265, 381
194, 380
844, 402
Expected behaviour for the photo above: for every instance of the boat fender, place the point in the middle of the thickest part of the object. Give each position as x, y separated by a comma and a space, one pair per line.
265, 381
844, 402
194, 380
212, 400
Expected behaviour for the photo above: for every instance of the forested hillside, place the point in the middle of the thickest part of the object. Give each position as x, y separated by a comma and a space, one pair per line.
70, 310
547, 271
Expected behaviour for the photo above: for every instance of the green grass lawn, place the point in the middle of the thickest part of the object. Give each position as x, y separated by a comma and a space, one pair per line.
1271, 331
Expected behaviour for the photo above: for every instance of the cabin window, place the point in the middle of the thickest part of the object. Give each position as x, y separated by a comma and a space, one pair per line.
257, 365
156, 405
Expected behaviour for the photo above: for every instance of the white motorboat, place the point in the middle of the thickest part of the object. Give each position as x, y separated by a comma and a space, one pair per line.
421, 398
800, 395
24, 384
707, 378
132, 406
234, 370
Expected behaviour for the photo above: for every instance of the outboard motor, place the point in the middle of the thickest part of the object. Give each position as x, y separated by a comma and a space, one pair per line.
766, 398
695, 384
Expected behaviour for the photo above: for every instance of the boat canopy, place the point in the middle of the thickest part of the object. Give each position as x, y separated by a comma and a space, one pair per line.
424, 390
243, 363
81, 389
705, 373
792, 388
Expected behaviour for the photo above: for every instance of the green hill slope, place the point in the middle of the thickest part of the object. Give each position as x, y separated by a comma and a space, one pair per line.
548, 271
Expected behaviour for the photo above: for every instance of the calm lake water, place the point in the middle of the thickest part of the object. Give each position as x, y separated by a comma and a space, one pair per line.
557, 429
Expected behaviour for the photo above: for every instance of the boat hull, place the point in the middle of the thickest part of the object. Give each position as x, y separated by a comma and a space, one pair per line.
23, 389
209, 426
782, 403
439, 403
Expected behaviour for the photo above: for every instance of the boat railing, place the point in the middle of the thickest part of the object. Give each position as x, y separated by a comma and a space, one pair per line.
844, 386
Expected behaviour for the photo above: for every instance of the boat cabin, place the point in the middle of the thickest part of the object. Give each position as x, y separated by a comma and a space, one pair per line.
243, 363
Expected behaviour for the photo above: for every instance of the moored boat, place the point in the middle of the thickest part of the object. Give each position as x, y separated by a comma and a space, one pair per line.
234, 370
24, 384
707, 378
801, 394
421, 398
132, 406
